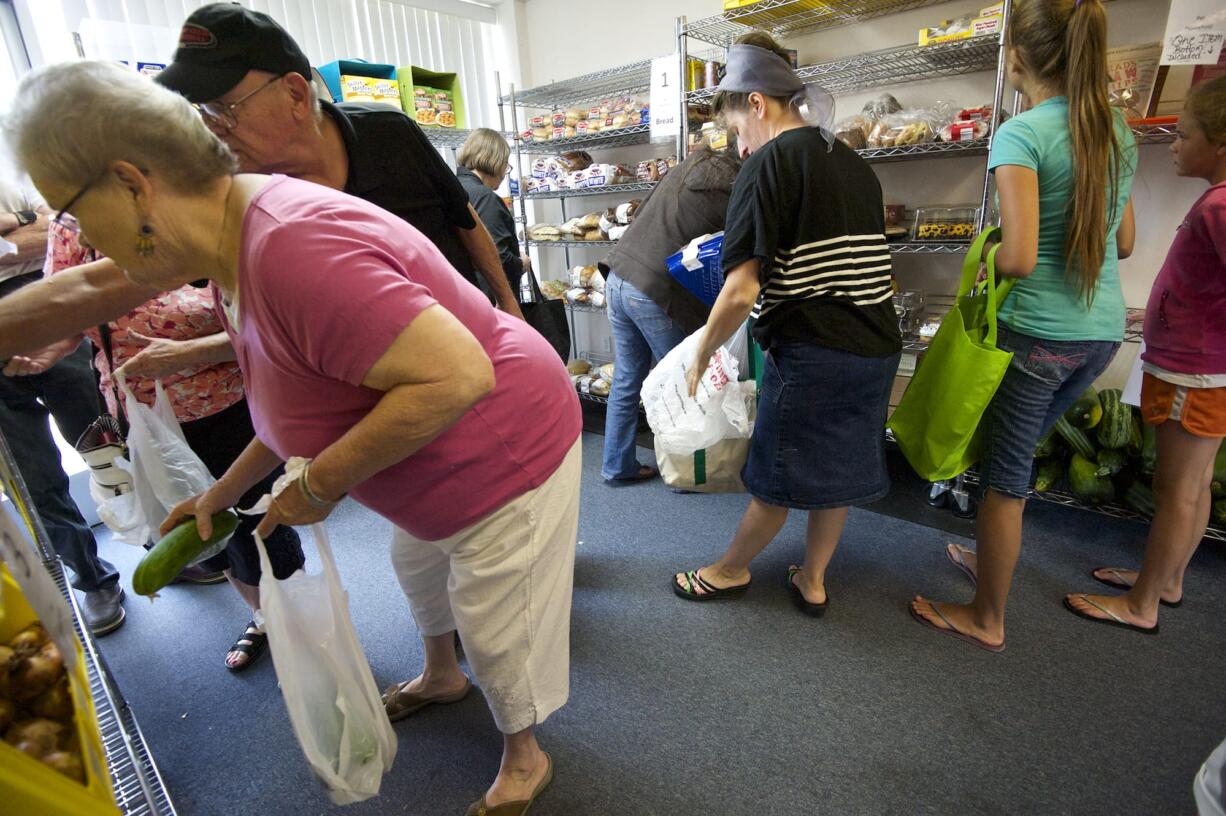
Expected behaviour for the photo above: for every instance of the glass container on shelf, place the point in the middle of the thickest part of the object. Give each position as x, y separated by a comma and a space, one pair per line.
945, 224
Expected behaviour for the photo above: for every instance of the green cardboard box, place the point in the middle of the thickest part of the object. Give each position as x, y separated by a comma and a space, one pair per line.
412, 77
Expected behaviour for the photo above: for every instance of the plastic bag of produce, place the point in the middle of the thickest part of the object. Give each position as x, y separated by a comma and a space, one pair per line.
330, 694
721, 410
165, 470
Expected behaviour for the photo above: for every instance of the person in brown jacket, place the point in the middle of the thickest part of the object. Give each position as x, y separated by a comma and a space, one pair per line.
650, 312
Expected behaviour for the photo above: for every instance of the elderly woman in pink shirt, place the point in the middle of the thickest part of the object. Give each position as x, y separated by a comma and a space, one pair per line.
363, 350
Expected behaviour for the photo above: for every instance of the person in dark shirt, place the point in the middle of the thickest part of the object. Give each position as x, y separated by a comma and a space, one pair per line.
649, 311
251, 83
482, 161
805, 253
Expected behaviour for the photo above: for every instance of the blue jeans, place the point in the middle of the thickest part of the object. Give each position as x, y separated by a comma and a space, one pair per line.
641, 331
69, 393
1044, 378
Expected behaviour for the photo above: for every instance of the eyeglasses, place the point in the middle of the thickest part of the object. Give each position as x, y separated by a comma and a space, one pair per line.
221, 115
72, 201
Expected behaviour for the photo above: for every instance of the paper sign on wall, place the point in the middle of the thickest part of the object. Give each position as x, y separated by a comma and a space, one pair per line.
1195, 32
665, 97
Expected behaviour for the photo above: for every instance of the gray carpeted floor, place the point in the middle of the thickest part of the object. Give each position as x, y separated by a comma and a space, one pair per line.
735, 708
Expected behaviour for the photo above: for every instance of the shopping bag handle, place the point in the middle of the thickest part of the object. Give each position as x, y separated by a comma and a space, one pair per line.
970, 271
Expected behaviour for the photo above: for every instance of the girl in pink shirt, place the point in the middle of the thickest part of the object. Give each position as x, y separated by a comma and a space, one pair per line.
1184, 389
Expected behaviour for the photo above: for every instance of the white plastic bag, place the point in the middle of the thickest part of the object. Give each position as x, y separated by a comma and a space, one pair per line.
720, 411
330, 694
165, 470
121, 513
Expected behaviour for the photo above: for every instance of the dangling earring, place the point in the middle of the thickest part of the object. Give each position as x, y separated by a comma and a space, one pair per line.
144, 241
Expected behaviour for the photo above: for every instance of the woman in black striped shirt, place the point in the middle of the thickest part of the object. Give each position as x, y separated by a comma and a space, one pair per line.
805, 252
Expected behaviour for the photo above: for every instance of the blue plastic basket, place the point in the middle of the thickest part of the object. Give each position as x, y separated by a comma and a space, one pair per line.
705, 282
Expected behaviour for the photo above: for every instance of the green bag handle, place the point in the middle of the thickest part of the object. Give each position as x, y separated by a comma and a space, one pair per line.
970, 271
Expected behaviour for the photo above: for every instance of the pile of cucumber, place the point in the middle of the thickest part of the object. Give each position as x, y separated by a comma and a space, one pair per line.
1105, 452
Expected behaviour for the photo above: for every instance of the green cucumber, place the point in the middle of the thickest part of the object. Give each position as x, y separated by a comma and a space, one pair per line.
1116, 425
1047, 444
1050, 471
1078, 441
1086, 412
176, 550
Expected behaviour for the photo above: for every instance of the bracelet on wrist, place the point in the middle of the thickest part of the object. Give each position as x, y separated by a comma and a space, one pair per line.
305, 486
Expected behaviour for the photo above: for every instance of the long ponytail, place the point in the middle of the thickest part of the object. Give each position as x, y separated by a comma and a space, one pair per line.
1096, 150
1064, 43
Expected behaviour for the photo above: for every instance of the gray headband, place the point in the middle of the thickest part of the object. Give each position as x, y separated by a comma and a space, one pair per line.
752, 69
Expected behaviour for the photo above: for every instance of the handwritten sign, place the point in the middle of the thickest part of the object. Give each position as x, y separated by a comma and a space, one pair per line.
1195, 32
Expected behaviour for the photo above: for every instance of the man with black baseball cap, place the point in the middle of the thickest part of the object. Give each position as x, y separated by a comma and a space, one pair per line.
252, 84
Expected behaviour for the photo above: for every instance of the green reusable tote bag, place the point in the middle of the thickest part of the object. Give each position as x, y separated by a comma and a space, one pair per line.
936, 424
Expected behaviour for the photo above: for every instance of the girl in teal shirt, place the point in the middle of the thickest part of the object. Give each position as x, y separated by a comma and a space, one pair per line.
1063, 175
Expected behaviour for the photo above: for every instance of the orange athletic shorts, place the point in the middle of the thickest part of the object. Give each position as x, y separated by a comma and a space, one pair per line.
1201, 411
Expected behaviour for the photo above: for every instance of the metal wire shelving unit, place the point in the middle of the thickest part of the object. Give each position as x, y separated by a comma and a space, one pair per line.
611, 189
1111, 509
789, 18
928, 150
135, 779
621, 137
927, 248
896, 66
621, 80
1154, 134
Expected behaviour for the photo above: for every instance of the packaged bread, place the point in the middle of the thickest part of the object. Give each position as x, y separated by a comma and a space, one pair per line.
590, 221
597, 300
578, 366
574, 116
554, 290
627, 211
881, 106
576, 160
616, 233
544, 232
605, 372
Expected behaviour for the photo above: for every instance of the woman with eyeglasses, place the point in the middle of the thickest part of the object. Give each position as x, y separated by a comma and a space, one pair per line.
177, 337
364, 351
482, 166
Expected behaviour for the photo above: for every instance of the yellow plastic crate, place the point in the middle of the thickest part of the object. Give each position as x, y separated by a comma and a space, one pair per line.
27, 786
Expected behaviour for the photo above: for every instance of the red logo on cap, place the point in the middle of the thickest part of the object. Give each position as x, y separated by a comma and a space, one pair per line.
196, 36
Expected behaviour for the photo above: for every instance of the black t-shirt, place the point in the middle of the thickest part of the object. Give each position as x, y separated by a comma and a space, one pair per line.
392, 165
498, 220
813, 219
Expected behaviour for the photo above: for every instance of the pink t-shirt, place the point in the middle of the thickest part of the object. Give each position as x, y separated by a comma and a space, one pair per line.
1185, 319
326, 283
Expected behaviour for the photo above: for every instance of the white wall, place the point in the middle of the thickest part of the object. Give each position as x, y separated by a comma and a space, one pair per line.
551, 49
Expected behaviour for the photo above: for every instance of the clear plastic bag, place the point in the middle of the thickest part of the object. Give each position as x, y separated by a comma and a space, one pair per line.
165, 470
721, 409
330, 694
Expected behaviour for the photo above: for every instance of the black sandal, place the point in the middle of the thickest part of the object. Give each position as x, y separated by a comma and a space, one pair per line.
251, 643
697, 589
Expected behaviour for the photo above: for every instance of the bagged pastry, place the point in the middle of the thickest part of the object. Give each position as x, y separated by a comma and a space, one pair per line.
589, 221
576, 160
544, 232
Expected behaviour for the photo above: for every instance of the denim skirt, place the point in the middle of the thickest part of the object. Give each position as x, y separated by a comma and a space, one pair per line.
819, 440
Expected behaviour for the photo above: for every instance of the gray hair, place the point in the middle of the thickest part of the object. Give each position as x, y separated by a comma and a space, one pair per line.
69, 121
485, 151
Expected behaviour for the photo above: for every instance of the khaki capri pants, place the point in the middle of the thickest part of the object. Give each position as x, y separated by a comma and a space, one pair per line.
505, 583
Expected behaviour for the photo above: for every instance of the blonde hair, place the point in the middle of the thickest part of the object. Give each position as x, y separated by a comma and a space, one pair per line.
1064, 44
69, 121
485, 151
1207, 104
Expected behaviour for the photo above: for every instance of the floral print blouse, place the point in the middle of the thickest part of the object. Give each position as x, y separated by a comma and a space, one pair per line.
184, 314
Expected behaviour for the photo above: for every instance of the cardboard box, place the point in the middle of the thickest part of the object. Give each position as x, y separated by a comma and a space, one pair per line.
988, 21
442, 90
332, 72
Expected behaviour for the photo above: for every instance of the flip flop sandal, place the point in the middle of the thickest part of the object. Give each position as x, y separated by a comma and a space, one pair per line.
694, 582
1120, 583
811, 609
252, 644
952, 631
956, 558
1112, 619
399, 703
517, 808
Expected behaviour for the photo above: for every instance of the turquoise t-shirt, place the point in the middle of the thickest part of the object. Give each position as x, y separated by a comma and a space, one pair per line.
1047, 304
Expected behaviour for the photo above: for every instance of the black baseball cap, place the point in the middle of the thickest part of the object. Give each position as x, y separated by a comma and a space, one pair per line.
220, 43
